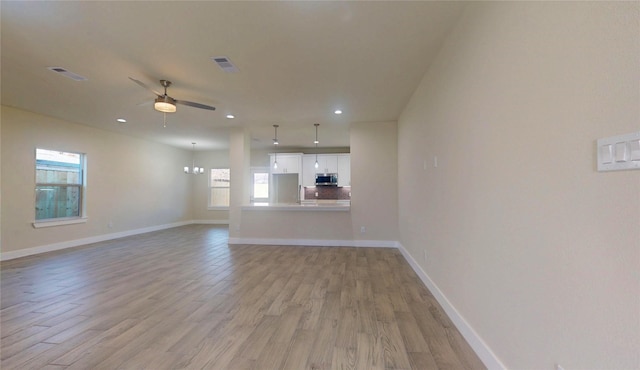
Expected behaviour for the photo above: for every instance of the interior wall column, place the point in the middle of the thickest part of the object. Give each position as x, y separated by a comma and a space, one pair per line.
239, 161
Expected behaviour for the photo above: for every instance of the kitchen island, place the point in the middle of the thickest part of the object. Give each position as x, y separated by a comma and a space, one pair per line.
318, 222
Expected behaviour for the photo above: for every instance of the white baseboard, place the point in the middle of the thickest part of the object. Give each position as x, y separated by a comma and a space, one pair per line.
486, 355
316, 242
4, 256
210, 222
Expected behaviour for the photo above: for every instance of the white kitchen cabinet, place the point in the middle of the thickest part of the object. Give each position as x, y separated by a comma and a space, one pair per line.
327, 163
287, 163
308, 170
344, 170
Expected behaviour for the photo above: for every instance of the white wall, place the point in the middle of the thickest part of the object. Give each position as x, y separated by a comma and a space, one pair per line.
132, 183
534, 248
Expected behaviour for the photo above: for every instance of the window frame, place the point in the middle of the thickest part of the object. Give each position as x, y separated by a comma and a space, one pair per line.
82, 189
253, 171
211, 207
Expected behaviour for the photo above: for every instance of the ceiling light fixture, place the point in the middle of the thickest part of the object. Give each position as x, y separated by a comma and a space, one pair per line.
337, 111
121, 120
193, 170
275, 142
230, 116
165, 104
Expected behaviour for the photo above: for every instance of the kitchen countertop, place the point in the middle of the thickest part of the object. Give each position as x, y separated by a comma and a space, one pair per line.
305, 205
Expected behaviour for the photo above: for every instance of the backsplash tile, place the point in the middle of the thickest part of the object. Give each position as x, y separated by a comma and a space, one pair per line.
327, 192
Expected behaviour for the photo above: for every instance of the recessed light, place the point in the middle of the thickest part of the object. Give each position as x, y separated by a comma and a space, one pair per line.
121, 120
337, 111
231, 116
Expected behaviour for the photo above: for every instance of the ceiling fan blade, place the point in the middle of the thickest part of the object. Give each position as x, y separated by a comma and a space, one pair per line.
145, 86
146, 103
195, 105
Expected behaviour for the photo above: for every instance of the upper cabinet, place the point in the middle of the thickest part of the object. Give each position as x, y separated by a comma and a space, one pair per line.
304, 164
287, 163
327, 163
308, 170
344, 170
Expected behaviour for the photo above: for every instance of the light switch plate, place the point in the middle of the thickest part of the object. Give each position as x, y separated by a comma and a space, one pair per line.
619, 153
622, 152
606, 153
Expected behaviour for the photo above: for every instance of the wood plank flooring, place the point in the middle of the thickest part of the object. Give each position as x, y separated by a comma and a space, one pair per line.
183, 298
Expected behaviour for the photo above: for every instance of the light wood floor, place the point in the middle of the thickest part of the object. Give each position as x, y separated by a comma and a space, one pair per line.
184, 298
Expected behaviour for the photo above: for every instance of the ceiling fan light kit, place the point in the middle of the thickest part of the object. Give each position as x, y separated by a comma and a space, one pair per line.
165, 104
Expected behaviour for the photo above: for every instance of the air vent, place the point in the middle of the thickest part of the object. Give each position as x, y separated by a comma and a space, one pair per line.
225, 64
64, 72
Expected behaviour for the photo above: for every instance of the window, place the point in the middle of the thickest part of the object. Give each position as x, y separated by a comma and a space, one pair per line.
60, 181
219, 181
260, 185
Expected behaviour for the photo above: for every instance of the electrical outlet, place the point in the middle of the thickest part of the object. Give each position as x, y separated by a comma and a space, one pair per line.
238, 227
435, 161
424, 255
110, 224
363, 229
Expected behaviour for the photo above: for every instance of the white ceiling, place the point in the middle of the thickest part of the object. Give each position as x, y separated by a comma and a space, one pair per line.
297, 61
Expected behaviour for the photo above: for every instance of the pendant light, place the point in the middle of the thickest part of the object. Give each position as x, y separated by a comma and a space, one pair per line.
275, 142
193, 169
316, 142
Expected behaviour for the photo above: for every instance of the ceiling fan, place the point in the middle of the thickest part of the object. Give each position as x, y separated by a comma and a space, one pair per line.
166, 104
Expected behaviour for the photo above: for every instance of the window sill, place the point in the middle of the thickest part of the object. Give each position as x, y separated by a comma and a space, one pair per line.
217, 208
67, 221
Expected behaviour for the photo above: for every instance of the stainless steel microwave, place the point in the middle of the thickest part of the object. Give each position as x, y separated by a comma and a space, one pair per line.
326, 179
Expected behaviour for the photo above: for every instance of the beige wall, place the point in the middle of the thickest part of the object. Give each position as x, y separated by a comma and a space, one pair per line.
1, 166
374, 180
240, 160
534, 248
260, 158
132, 183
296, 225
